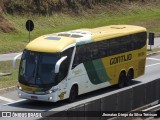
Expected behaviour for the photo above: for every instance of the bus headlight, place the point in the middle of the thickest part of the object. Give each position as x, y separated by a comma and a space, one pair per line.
19, 87
51, 91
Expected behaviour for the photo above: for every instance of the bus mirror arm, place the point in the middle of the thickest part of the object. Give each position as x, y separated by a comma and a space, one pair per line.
57, 66
14, 60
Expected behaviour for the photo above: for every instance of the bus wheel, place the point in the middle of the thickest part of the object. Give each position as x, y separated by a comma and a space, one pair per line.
130, 76
122, 79
73, 93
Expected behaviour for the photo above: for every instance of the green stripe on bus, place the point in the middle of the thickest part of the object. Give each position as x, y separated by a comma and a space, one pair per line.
96, 71
100, 69
92, 74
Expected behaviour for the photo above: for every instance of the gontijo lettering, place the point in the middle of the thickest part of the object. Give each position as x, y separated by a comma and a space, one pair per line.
120, 59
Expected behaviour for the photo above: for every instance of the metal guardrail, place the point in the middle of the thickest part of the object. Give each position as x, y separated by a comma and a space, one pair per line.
154, 110
124, 100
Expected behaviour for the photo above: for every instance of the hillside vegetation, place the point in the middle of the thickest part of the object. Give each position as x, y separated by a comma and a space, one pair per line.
60, 15
5, 25
43, 7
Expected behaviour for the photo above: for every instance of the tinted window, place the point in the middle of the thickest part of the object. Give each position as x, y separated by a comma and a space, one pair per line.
65, 64
96, 50
139, 40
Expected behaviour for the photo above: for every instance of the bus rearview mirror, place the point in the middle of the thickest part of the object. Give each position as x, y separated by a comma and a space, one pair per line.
58, 64
14, 60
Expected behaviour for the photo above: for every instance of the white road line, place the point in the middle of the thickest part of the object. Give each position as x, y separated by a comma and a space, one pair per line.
152, 65
6, 99
153, 59
21, 100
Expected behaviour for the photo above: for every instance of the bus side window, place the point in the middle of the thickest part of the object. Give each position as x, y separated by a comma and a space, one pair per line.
83, 54
130, 44
65, 64
89, 52
63, 70
135, 41
142, 37
77, 57
105, 46
114, 47
125, 43
75, 61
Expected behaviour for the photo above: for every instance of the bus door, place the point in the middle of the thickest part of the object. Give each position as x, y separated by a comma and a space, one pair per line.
62, 77
64, 71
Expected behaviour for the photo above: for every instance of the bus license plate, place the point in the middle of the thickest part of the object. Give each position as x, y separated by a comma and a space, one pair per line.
34, 97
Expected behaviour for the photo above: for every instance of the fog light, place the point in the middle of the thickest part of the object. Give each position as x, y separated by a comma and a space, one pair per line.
50, 98
20, 94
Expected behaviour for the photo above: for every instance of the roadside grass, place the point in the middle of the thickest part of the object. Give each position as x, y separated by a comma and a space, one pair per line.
146, 15
11, 80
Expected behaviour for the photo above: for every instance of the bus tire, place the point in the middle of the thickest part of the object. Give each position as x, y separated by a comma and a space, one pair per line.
73, 93
130, 76
122, 79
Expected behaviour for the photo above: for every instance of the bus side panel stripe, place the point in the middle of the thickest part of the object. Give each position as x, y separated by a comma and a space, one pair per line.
100, 69
92, 74
96, 71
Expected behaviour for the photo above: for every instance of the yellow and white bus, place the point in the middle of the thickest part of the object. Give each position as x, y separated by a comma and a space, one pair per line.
64, 65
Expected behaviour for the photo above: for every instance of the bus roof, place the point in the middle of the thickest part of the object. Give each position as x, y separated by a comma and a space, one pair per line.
59, 41
50, 43
113, 31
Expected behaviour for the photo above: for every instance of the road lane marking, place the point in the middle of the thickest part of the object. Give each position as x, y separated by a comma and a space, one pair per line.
152, 65
6, 99
21, 100
153, 59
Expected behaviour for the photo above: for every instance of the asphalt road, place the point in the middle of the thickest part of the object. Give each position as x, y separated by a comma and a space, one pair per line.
9, 100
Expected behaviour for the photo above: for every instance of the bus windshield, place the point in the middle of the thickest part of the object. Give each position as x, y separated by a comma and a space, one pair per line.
38, 68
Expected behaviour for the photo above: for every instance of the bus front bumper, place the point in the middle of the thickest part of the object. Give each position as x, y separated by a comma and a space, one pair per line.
45, 97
